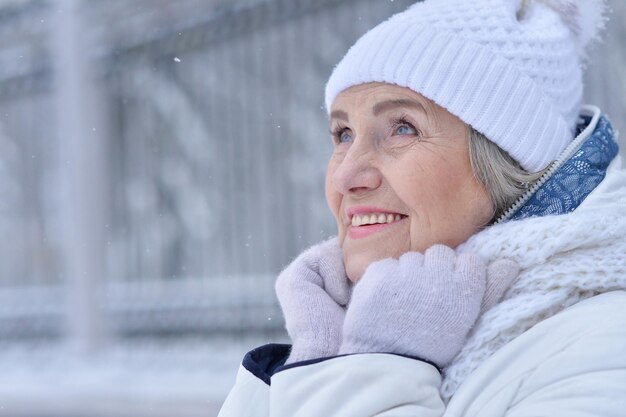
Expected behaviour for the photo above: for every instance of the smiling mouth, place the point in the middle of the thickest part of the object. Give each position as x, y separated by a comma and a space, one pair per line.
375, 218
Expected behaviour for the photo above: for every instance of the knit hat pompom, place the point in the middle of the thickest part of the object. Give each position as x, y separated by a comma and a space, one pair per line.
584, 18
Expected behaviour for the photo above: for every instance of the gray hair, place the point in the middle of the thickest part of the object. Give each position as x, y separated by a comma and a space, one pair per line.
503, 177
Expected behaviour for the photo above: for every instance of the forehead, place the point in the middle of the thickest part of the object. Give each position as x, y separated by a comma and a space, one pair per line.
377, 97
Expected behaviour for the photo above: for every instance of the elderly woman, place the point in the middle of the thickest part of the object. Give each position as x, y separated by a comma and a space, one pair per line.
480, 262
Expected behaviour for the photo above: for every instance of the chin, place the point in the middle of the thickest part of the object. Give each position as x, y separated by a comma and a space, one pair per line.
356, 264
354, 268
358, 255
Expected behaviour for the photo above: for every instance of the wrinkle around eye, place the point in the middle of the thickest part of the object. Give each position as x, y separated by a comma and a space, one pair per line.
407, 143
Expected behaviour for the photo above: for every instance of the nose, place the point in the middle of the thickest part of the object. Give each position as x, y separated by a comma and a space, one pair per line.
357, 173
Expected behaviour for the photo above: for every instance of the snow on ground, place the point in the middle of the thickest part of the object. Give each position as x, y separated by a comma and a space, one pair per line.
189, 377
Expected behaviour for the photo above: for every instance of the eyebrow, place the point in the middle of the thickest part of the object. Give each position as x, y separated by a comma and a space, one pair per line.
339, 114
392, 104
381, 107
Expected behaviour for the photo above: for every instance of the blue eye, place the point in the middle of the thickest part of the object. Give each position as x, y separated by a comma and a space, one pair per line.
405, 129
342, 135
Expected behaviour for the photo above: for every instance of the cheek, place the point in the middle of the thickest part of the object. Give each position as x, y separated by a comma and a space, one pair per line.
447, 204
333, 198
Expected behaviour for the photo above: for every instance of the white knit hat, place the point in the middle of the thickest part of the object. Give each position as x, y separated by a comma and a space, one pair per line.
509, 68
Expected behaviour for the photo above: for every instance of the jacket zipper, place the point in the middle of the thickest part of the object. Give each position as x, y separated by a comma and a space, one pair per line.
557, 164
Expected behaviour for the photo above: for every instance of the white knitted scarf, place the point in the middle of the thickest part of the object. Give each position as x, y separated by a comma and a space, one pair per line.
563, 259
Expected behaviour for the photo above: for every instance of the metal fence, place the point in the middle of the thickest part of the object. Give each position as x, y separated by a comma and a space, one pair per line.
215, 145
206, 155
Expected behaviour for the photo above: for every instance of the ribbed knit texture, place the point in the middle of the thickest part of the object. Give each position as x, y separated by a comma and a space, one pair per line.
512, 72
564, 259
417, 305
422, 305
313, 292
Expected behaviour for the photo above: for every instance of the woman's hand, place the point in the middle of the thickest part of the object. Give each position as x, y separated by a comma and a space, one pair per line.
313, 292
423, 305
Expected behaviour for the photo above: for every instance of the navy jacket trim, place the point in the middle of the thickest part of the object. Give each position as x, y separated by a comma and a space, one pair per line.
317, 360
263, 361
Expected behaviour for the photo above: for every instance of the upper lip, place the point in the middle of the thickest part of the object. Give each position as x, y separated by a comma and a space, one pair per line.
351, 211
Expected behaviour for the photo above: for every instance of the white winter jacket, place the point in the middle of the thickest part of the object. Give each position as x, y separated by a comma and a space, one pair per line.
555, 346
571, 365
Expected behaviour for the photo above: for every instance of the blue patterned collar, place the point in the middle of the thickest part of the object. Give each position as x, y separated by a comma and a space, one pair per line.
572, 177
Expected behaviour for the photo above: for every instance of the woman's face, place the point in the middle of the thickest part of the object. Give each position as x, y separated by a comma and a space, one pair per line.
400, 177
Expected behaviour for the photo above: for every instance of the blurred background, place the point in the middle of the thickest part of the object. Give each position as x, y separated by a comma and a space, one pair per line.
160, 162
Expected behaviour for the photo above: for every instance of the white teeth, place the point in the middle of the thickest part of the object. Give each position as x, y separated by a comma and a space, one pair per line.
375, 218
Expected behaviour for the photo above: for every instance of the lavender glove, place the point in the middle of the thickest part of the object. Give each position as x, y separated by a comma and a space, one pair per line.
313, 292
423, 305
